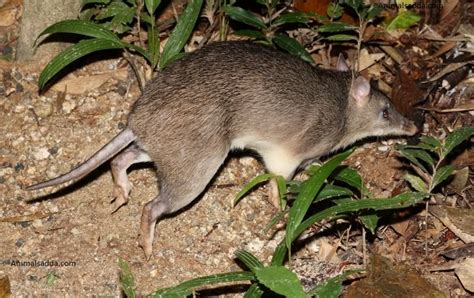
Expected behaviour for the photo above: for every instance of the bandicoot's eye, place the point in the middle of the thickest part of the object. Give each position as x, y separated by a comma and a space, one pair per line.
385, 113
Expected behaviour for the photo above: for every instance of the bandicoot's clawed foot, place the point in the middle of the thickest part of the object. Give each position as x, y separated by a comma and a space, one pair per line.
120, 198
274, 194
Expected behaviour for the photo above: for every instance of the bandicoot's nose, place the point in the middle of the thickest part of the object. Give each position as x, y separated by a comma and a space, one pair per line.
410, 127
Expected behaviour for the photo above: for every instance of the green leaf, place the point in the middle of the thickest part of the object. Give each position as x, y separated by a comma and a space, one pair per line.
441, 174
86, 2
354, 4
336, 27
281, 281
244, 16
152, 5
187, 287
292, 18
401, 201
121, 15
253, 292
181, 32
350, 177
85, 28
281, 184
335, 11
153, 45
430, 141
71, 54
279, 254
254, 182
416, 182
404, 20
455, 138
331, 288
127, 282
412, 156
332, 191
292, 46
248, 259
370, 221
250, 33
373, 12
341, 37
308, 193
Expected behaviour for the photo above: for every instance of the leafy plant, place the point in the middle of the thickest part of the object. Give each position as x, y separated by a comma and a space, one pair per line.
428, 158
267, 28
103, 24
331, 182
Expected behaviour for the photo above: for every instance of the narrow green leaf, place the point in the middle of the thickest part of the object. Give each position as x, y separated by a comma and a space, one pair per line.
350, 177
441, 174
241, 15
292, 18
253, 292
281, 184
421, 146
401, 201
410, 154
86, 2
455, 138
181, 32
127, 282
404, 20
416, 182
332, 191
336, 27
308, 193
152, 5
248, 259
354, 4
281, 281
373, 12
250, 33
341, 37
85, 28
370, 221
335, 11
279, 254
422, 155
254, 182
292, 46
153, 45
71, 54
431, 141
187, 287
331, 288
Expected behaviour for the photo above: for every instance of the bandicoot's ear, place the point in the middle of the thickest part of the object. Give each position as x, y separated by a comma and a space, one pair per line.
360, 91
341, 63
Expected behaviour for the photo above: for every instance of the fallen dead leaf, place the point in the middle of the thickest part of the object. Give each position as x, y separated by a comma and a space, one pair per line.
81, 85
465, 273
387, 280
366, 60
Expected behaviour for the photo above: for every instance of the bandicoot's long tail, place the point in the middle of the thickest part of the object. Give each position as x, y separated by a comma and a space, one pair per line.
119, 142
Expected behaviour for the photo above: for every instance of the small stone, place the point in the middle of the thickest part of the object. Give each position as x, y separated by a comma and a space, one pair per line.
41, 153
68, 106
24, 224
19, 166
19, 242
19, 87
19, 108
383, 148
121, 126
53, 150
75, 231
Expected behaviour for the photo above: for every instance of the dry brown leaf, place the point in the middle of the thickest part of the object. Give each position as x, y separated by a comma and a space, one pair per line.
366, 60
81, 85
465, 273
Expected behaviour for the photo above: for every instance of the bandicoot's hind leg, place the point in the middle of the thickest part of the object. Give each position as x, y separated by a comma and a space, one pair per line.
181, 181
131, 155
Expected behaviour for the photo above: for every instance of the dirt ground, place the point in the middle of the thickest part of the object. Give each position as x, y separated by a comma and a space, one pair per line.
73, 228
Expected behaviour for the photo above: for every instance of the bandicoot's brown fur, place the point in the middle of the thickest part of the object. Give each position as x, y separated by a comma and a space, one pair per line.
233, 95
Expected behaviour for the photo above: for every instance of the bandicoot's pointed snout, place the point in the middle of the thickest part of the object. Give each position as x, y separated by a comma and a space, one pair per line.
410, 127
